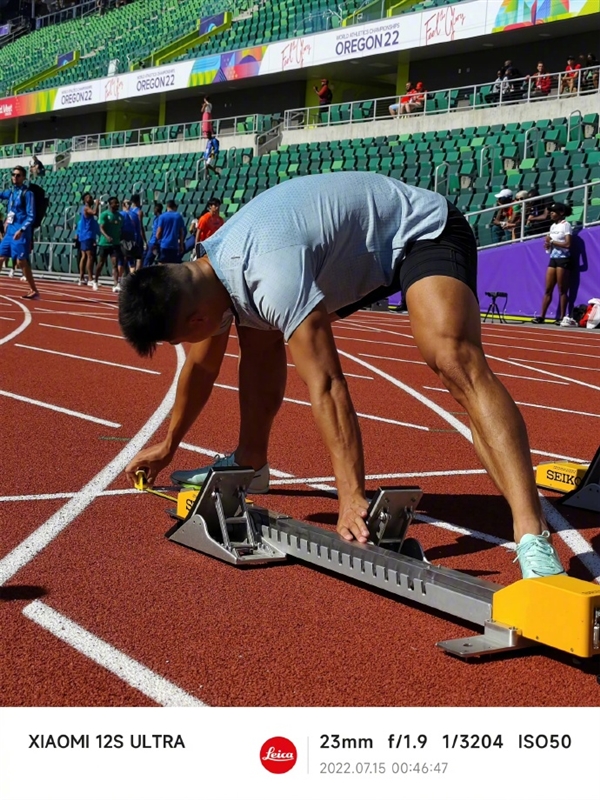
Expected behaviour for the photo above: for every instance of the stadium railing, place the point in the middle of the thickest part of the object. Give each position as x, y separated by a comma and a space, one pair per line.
442, 101
581, 213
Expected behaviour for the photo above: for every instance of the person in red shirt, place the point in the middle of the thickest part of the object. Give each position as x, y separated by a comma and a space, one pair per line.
325, 94
210, 222
570, 77
541, 82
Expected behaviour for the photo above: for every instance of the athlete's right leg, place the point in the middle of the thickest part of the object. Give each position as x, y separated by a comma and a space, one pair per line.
550, 284
262, 376
25, 266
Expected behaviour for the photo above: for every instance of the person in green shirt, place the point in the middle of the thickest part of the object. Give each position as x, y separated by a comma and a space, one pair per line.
109, 243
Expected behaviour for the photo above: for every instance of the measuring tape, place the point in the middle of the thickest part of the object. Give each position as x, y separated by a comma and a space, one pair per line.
141, 484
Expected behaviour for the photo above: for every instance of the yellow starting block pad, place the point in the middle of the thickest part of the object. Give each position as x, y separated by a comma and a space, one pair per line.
560, 476
185, 501
557, 611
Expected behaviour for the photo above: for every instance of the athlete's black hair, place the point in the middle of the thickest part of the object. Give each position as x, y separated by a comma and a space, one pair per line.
149, 303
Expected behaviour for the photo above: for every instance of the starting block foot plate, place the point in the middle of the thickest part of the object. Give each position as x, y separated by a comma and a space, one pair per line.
496, 638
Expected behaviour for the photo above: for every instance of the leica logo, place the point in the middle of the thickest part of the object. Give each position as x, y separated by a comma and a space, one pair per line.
278, 755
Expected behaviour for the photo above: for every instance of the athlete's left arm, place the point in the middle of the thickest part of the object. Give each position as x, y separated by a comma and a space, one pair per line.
30, 212
316, 358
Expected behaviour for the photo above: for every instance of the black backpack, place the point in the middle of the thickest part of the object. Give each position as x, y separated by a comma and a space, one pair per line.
41, 204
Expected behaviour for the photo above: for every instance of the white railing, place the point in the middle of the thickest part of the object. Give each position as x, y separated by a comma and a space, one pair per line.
473, 216
443, 101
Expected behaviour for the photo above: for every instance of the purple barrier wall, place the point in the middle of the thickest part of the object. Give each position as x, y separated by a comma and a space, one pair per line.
520, 270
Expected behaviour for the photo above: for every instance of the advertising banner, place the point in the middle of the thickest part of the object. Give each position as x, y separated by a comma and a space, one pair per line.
207, 24
393, 34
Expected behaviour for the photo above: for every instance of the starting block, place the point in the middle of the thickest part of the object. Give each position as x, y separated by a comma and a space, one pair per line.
557, 611
580, 483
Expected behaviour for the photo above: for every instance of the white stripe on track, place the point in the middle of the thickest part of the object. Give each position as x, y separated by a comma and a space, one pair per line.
79, 330
60, 410
22, 326
8, 319
84, 358
130, 671
381, 477
358, 413
561, 410
515, 363
519, 362
346, 374
486, 537
27, 550
562, 457
570, 536
391, 358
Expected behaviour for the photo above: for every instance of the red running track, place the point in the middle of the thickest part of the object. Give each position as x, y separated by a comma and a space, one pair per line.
100, 609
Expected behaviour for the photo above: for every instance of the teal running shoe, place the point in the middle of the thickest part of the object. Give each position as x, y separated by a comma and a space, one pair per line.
536, 556
194, 478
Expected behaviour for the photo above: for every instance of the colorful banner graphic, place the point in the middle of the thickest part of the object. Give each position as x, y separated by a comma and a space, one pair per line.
207, 24
394, 34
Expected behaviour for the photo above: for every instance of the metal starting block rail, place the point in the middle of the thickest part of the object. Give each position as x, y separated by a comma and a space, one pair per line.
558, 611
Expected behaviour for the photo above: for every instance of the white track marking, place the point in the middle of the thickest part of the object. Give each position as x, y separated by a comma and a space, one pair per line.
8, 319
17, 498
79, 330
562, 457
358, 413
561, 410
391, 358
371, 341
84, 358
529, 378
570, 536
537, 349
27, 550
22, 326
130, 671
545, 372
518, 362
535, 339
486, 537
60, 409
384, 476
346, 374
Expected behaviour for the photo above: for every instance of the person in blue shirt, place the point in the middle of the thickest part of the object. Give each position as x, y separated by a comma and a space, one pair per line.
128, 251
18, 237
137, 216
87, 233
211, 153
152, 245
170, 235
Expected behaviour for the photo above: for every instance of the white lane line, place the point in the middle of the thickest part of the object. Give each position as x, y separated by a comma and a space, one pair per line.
130, 671
486, 537
545, 372
391, 358
17, 498
535, 339
27, 550
536, 349
372, 341
570, 536
60, 409
561, 456
358, 413
22, 326
561, 410
529, 378
80, 330
8, 319
520, 361
79, 314
346, 374
92, 360
384, 476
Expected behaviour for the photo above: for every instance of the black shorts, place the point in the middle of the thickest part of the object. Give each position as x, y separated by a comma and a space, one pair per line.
563, 263
110, 250
453, 253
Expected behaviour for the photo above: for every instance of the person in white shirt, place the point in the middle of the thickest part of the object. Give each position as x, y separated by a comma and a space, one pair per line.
558, 244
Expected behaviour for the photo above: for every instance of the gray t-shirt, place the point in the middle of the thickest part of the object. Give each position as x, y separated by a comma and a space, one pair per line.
332, 237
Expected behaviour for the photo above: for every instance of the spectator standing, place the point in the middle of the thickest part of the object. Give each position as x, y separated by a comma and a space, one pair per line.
211, 154
558, 245
87, 235
136, 215
502, 217
170, 235
540, 82
152, 246
109, 243
211, 221
36, 168
324, 93
513, 225
18, 237
206, 111
570, 79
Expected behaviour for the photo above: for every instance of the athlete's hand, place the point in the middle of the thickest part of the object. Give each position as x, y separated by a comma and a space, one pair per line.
17, 235
351, 520
152, 460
